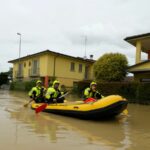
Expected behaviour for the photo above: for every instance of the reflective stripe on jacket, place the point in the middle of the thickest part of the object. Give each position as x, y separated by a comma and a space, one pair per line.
88, 93
39, 91
52, 93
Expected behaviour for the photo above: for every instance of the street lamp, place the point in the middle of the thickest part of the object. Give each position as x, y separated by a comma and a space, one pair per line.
85, 45
19, 45
19, 65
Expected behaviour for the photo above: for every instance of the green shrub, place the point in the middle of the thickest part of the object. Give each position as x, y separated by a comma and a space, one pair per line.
12, 86
22, 85
17, 85
125, 89
135, 92
129, 90
143, 93
29, 85
79, 88
75, 89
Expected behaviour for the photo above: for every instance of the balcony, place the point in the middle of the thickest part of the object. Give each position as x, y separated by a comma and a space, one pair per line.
34, 72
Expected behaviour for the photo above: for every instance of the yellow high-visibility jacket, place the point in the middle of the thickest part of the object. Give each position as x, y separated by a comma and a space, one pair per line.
52, 93
88, 93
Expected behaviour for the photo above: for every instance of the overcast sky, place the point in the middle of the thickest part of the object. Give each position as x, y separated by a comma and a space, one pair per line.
61, 26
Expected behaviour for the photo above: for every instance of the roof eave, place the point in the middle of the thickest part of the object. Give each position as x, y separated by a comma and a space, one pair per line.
137, 37
55, 53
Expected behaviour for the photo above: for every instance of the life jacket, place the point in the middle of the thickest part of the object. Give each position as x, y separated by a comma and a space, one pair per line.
37, 91
52, 93
88, 93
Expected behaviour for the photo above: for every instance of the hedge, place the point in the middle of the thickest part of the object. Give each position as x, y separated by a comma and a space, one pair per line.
135, 92
143, 93
22, 86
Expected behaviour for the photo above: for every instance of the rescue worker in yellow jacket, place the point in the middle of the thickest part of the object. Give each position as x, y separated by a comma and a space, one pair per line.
53, 93
92, 92
37, 93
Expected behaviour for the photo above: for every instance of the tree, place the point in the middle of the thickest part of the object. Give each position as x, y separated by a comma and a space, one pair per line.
111, 67
5, 76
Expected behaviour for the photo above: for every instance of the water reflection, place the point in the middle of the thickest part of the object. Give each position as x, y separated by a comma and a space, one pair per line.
122, 133
109, 133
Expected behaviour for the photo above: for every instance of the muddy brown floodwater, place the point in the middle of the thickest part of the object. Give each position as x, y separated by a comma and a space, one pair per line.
22, 129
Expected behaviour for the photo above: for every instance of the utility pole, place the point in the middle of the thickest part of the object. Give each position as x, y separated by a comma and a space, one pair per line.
85, 42
85, 45
19, 65
19, 44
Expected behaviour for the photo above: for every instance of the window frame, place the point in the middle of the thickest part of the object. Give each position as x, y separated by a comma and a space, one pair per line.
80, 68
24, 64
72, 66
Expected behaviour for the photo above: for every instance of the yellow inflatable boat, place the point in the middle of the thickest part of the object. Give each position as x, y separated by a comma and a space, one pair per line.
109, 106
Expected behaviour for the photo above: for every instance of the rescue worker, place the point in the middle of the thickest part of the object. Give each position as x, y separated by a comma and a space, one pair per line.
37, 93
53, 94
92, 92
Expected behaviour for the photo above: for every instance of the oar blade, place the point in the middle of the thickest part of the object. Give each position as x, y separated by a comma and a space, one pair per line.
89, 100
25, 105
40, 108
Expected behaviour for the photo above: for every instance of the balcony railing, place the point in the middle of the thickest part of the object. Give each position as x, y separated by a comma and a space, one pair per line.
34, 72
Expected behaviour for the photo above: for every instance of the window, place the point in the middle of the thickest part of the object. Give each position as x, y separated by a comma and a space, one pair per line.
86, 72
80, 67
24, 64
20, 70
72, 67
29, 63
35, 66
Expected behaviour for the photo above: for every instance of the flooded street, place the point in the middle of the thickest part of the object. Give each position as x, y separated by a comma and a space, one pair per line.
22, 129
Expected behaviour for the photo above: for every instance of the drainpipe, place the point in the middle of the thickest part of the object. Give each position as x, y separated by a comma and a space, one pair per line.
46, 81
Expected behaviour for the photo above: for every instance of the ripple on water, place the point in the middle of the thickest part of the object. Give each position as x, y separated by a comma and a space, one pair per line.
22, 129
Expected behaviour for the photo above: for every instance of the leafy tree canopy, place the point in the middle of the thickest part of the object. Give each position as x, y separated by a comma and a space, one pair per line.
111, 67
4, 76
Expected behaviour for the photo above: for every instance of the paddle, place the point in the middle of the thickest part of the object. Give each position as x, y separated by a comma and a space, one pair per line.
88, 100
26, 105
43, 106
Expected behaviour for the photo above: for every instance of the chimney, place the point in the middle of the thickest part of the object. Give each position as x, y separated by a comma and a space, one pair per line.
91, 56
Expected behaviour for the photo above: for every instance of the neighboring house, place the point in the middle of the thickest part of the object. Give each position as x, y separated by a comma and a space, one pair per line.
141, 69
47, 64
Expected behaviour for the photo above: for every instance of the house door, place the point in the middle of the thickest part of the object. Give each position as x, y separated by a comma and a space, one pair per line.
86, 72
20, 70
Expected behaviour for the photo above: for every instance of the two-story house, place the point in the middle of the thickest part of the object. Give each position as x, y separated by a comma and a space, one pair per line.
48, 64
141, 69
